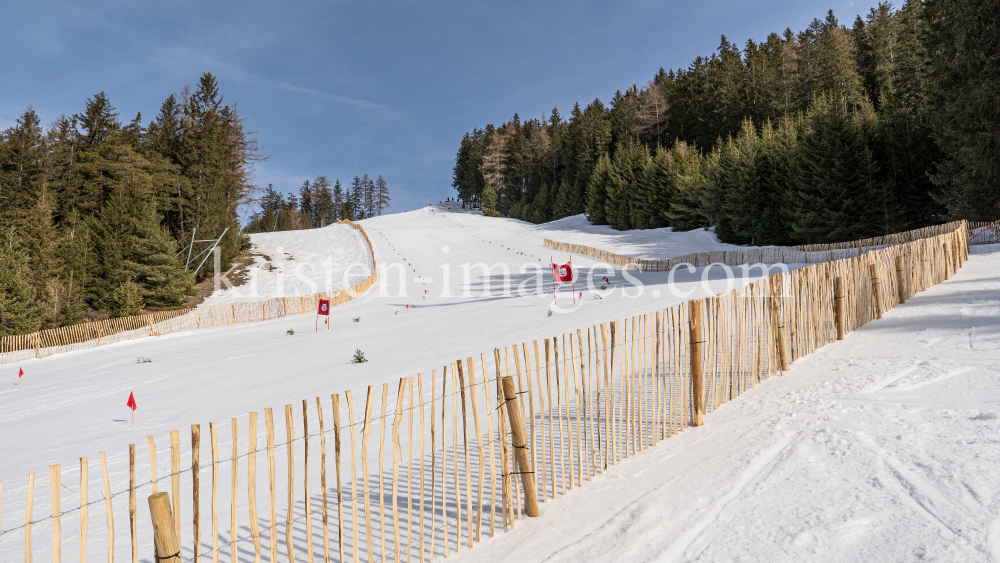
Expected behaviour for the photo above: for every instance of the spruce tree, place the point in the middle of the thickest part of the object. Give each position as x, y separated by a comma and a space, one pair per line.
597, 191
339, 201
658, 189
323, 206
627, 170
20, 312
963, 107
307, 209
835, 195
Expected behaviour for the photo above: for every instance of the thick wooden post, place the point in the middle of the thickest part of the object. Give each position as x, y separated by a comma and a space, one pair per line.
839, 310
876, 289
697, 372
195, 472
947, 261
168, 548
900, 280
778, 322
519, 440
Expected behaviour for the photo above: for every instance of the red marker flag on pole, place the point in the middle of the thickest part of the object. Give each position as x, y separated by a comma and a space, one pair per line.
563, 273
323, 309
131, 404
20, 372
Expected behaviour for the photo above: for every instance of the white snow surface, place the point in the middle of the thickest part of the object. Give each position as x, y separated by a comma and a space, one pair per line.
299, 263
882, 447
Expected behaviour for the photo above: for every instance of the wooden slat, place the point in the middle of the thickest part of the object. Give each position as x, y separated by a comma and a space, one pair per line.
290, 455
84, 508
369, 407
234, 478
307, 501
322, 483
214, 438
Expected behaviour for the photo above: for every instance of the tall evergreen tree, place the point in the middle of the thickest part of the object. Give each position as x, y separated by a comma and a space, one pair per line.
381, 194
963, 103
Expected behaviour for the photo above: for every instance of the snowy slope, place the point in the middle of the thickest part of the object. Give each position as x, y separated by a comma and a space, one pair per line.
297, 263
727, 475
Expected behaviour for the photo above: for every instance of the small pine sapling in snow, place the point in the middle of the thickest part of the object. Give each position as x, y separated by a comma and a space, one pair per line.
550, 312
289, 332
359, 357
357, 319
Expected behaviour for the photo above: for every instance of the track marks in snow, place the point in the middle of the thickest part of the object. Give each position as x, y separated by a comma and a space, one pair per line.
918, 493
890, 380
694, 538
938, 379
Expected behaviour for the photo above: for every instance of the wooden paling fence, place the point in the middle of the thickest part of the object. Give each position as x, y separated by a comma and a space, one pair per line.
456, 450
90, 335
984, 233
808, 254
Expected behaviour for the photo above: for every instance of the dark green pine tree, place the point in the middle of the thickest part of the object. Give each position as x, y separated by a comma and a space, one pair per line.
627, 170
688, 209
963, 107
597, 191
20, 311
323, 205
357, 199
307, 208
835, 195
153, 262
339, 201
658, 189
22, 173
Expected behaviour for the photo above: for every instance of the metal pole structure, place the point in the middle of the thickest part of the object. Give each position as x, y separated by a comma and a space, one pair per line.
217, 241
190, 248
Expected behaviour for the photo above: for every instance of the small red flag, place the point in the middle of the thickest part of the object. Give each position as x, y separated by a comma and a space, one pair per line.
131, 401
20, 372
324, 307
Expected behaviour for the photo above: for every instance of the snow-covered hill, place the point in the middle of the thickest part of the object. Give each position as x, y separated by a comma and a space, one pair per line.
881, 446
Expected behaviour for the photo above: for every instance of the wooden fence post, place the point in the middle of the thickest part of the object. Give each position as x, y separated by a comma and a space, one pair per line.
168, 549
55, 479
947, 261
195, 474
876, 289
778, 322
900, 280
520, 443
839, 308
697, 373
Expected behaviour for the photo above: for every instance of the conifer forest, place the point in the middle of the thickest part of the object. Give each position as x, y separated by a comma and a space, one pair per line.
833, 133
97, 215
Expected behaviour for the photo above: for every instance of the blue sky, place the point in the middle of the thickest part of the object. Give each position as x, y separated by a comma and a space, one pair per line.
347, 88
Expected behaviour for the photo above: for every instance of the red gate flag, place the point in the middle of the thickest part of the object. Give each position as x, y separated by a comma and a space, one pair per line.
562, 272
323, 309
20, 372
131, 401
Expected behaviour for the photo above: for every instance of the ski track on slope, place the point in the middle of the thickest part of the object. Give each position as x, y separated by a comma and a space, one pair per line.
693, 538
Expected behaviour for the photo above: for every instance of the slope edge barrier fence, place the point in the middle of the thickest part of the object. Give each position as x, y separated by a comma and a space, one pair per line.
423, 489
981, 233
